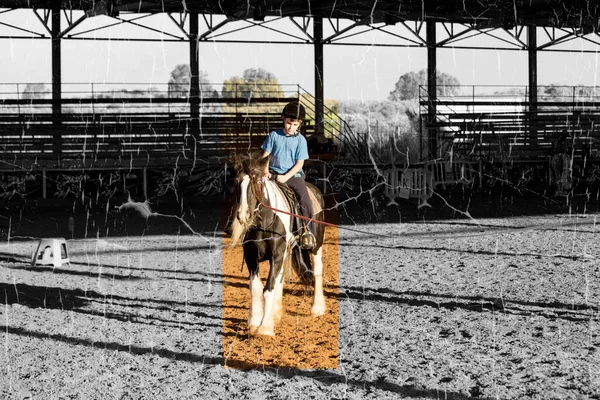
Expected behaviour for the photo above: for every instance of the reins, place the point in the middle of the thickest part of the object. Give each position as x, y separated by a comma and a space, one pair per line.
482, 232
262, 204
316, 221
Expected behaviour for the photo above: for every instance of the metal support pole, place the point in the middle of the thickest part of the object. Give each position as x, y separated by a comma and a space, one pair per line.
145, 182
319, 93
56, 81
194, 69
432, 140
56, 63
44, 184
532, 75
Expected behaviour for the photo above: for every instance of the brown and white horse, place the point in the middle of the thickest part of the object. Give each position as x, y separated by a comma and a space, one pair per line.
266, 234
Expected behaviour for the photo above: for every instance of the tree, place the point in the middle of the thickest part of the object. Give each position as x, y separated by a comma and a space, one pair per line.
407, 86
254, 83
258, 74
179, 83
181, 79
35, 91
556, 92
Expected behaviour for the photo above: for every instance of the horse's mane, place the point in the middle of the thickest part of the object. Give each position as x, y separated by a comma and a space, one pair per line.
249, 163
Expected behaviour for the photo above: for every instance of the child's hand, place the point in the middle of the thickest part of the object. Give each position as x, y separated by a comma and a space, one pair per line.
282, 178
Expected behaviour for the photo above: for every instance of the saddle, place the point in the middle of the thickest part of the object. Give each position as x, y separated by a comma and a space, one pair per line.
298, 225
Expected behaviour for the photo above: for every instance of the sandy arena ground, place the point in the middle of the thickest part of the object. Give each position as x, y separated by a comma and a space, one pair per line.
451, 309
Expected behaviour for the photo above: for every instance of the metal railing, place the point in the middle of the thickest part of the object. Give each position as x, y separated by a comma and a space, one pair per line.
134, 98
143, 103
512, 95
476, 117
336, 128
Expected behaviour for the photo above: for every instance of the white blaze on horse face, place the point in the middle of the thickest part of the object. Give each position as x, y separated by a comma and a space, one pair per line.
239, 225
243, 212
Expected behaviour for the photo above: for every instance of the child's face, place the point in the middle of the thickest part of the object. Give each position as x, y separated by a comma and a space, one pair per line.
290, 126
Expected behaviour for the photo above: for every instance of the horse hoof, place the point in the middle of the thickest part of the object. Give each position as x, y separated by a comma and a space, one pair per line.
317, 311
263, 330
253, 329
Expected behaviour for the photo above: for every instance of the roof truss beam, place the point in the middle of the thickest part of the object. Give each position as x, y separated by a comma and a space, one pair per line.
220, 28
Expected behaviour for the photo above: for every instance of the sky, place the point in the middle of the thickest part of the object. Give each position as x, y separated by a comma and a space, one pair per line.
351, 72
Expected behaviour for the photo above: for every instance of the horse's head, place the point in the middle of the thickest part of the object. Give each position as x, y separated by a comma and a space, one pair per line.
249, 193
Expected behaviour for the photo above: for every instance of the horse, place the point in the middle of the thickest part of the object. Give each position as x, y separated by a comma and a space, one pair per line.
264, 227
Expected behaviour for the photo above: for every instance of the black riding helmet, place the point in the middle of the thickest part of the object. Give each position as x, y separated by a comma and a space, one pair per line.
294, 110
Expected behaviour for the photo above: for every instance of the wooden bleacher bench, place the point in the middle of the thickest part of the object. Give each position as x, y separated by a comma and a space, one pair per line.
520, 136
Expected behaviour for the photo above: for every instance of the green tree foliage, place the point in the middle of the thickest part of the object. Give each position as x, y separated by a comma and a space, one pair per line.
254, 83
35, 91
407, 86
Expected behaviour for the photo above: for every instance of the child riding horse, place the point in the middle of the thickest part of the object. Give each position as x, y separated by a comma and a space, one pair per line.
263, 224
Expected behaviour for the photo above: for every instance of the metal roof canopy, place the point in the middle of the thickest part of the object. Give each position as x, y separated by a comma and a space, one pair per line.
572, 19
580, 14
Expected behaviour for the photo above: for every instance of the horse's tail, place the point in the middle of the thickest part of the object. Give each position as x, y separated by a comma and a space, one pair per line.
302, 264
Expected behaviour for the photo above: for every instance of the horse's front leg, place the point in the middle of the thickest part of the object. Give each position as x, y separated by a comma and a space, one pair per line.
318, 306
256, 302
273, 294
256, 291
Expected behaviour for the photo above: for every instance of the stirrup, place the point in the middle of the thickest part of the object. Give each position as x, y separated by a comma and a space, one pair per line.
308, 241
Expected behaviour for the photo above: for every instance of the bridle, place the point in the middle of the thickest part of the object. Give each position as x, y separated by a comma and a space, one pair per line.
256, 191
257, 188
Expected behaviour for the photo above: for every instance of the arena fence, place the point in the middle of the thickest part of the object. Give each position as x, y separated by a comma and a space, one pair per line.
420, 182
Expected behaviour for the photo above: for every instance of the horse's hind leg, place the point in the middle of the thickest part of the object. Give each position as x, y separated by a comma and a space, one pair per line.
318, 306
278, 306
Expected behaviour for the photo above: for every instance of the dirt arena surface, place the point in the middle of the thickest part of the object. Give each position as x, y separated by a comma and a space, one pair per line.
300, 341
496, 308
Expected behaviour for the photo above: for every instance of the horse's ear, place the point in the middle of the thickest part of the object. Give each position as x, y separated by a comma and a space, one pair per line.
264, 163
238, 162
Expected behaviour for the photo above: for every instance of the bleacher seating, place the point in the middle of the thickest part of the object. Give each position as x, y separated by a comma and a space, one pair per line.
129, 140
519, 136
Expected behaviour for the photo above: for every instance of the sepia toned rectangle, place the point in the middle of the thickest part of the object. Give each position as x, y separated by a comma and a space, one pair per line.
301, 340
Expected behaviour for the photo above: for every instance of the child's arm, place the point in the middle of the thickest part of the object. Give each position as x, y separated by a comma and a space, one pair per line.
295, 169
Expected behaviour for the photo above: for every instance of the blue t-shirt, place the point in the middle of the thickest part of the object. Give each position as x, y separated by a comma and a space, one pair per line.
285, 150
